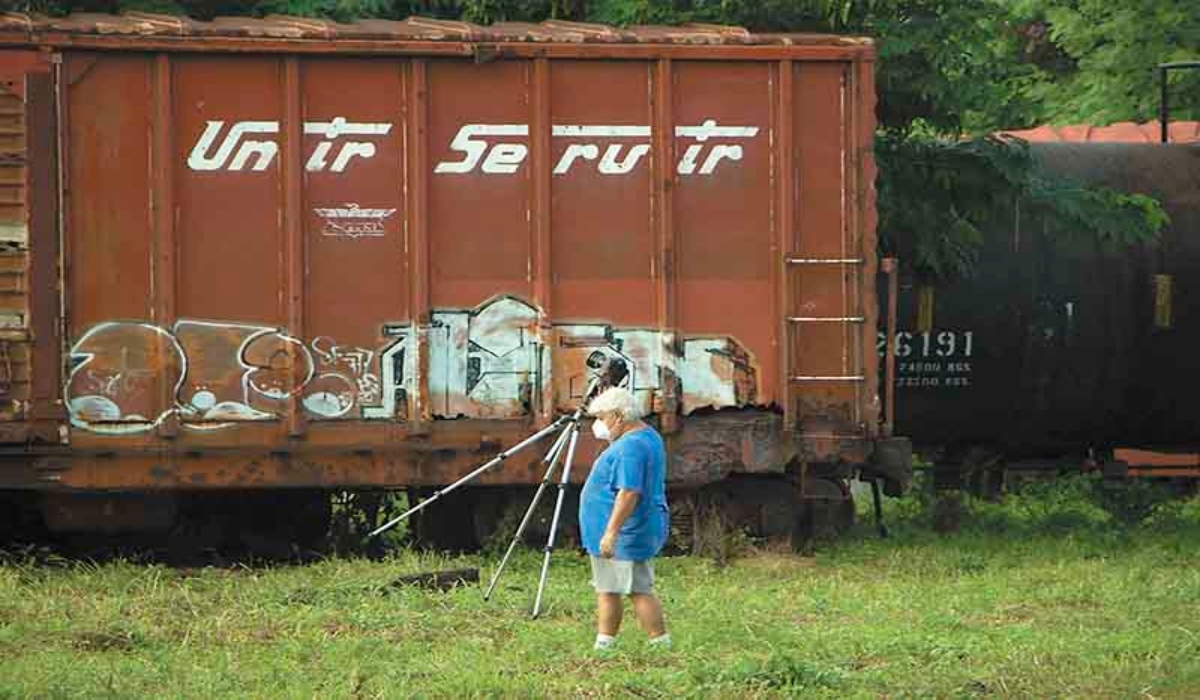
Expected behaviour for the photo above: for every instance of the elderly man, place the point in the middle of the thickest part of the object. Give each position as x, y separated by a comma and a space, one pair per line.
623, 519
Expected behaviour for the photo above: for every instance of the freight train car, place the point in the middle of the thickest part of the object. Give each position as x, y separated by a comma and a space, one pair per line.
1061, 352
253, 261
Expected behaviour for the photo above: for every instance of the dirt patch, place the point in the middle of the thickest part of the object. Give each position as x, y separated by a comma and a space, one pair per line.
106, 640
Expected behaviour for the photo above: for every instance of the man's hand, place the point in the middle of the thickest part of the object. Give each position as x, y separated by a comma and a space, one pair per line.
626, 502
608, 544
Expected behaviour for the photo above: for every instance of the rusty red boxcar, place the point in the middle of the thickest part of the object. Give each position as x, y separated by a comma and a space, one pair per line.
255, 254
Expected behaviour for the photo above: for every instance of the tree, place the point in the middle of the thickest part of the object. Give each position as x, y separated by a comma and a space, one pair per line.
1095, 59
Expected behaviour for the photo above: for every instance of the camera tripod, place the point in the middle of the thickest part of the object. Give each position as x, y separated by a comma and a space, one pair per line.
568, 435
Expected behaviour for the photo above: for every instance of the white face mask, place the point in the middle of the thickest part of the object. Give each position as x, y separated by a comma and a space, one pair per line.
600, 430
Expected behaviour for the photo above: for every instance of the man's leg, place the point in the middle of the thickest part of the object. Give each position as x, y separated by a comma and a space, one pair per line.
612, 578
608, 613
649, 613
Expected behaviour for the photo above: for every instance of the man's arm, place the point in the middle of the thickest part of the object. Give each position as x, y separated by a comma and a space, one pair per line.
622, 509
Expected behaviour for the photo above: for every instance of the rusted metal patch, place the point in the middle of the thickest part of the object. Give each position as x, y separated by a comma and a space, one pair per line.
708, 447
1162, 301
925, 301
134, 25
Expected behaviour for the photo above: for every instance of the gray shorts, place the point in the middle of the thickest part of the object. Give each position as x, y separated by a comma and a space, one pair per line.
622, 576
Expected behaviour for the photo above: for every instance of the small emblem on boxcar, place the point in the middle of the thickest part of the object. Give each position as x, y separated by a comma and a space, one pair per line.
353, 221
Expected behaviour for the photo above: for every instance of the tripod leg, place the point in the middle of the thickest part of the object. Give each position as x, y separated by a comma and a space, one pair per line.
551, 461
562, 490
499, 458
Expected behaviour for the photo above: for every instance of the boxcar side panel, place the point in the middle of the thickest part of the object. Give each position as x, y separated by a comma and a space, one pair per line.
828, 375
117, 358
357, 308
723, 220
28, 352
602, 241
281, 259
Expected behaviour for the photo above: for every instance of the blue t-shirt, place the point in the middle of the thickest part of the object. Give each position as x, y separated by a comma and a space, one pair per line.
636, 461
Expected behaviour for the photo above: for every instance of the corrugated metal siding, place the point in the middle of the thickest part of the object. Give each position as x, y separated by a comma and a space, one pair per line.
14, 335
12, 166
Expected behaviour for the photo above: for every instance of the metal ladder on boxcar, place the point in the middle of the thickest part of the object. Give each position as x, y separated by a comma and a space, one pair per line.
853, 355
800, 378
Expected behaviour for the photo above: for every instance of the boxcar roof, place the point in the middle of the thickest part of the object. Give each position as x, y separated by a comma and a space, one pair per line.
139, 31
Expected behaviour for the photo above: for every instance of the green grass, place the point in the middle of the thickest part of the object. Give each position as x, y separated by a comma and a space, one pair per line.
1089, 612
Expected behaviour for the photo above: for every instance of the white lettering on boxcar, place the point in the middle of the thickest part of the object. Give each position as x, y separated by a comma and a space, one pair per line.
492, 149
333, 153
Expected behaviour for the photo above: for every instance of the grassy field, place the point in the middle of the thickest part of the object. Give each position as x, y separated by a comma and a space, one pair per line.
1036, 600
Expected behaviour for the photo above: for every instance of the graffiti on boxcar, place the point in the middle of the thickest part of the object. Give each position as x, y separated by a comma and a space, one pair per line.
486, 362
118, 368
489, 363
219, 373
395, 371
483, 363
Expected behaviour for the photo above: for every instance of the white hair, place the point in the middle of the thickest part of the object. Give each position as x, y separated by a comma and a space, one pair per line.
615, 400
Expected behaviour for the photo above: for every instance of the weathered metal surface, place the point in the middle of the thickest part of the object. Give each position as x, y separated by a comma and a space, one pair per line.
834, 383
707, 448
13, 155
1055, 345
319, 270
26, 166
45, 414
414, 35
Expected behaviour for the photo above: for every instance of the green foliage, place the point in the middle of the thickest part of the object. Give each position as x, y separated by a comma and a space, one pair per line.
337, 10
915, 615
938, 198
1113, 219
1078, 504
1175, 516
949, 67
1095, 59
1130, 502
934, 197
777, 671
355, 514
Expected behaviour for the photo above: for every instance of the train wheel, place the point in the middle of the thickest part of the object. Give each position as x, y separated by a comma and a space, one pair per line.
272, 525
488, 514
825, 513
20, 521
448, 524
499, 521
729, 515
